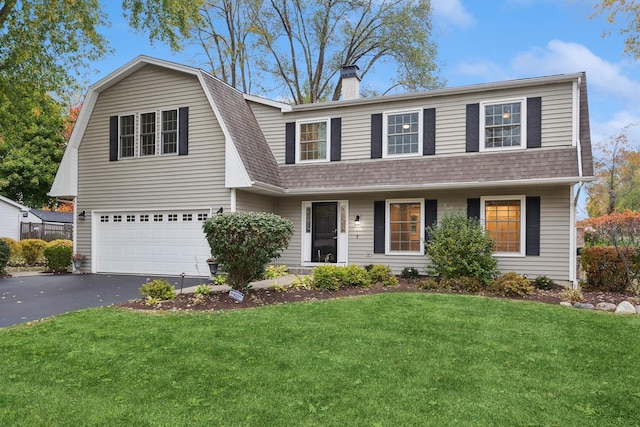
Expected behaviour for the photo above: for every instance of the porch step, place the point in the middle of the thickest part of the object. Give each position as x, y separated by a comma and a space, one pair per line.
300, 271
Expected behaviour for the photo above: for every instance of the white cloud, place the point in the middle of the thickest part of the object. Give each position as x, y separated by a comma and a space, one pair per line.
451, 13
562, 57
602, 131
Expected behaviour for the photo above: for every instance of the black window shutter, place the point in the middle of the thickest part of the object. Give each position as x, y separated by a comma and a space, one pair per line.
113, 138
473, 208
473, 128
336, 139
429, 131
183, 126
430, 215
376, 136
534, 120
290, 143
532, 242
378, 226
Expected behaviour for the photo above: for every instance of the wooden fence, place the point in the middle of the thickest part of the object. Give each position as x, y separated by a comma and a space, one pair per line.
46, 231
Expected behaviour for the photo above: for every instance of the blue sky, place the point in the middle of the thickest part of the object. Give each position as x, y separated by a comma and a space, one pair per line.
483, 41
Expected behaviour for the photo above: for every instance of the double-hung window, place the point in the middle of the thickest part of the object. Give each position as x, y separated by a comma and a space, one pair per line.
313, 140
127, 136
402, 133
404, 226
504, 220
147, 134
503, 124
169, 132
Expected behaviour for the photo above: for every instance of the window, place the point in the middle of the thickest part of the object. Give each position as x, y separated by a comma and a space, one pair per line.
104, 218
117, 218
172, 217
504, 125
169, 132
157, 217
404, 225
131, 218
313, 142
144, 218
127, 136
187, 217
503, 218
147, 134
202, 216
402, 133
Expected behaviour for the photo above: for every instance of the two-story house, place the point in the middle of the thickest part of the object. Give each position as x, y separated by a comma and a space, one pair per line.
159, 147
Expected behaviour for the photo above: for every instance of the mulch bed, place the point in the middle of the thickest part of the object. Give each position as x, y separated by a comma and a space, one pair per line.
260, 297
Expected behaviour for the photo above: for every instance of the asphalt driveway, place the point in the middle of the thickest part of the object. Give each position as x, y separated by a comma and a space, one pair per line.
26, 298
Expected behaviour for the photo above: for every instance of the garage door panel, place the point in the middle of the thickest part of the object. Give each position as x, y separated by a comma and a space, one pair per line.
168, 243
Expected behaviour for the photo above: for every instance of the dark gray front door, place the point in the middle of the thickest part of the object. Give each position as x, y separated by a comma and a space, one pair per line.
324, 232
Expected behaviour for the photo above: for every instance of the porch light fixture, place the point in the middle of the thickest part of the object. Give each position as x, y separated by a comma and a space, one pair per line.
357, 221
220, 210
25, 214
82, 215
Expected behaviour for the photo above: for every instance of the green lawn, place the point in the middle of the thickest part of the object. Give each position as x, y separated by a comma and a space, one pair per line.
389, 360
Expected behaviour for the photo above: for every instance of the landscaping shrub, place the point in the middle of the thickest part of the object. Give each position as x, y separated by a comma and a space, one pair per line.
158, 289
61, 242
378, 273
511, 284
203, 289
246, 243
605, 268
460, 247
58, 258
463, 284
429, 283
304, 282
15, 251
409, 273
5, 252
390, 280
32, 250
354, 276
544, 283
326, 277
275, 271
572, 295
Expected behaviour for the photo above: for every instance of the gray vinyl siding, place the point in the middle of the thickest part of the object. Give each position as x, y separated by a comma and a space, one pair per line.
193, 181
557, 110
252, 202
554, 229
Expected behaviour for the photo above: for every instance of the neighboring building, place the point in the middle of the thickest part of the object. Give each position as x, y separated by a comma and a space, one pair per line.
48, 226
159, 147
12, 215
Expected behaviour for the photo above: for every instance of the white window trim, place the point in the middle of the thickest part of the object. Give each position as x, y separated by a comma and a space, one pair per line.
139, 134
387, 227
328, 147
135, 136
523, 222
161, 152
385, 131
523, 123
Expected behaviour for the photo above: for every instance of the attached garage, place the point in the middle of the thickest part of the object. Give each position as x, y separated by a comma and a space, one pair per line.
151, 242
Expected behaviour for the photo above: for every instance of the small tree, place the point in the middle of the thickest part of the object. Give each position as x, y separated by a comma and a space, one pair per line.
460, 247
245, 243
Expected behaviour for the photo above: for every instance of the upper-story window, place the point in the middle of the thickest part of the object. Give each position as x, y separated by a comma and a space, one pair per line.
313, 142
503, 124
147, 134
402, 133
127, 135
169, 132
141, 135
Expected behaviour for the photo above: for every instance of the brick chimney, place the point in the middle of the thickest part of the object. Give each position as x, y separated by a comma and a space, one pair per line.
350, 82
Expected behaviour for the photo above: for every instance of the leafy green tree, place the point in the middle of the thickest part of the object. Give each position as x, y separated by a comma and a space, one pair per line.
627, 11
459, 247
31, 148
245, 243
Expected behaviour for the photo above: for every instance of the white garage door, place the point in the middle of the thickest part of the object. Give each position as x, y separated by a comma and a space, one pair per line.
158, 242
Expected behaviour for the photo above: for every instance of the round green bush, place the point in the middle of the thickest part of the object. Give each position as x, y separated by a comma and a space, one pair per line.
326, 277
511, 284
459, 247
158, 289
544, 283
32, 250
58, 258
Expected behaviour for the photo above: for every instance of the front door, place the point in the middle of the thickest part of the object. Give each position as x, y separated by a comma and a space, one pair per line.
324, 232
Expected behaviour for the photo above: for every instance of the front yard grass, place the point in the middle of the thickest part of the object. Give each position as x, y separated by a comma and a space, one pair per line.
388, 359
